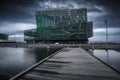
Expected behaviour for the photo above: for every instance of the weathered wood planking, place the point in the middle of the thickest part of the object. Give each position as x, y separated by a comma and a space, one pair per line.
71, 64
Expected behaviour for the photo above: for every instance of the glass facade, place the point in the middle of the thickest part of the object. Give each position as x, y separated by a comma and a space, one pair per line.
61, 25
3, 36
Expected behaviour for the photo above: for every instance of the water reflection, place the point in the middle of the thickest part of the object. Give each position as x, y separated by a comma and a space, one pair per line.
15, 60
111, 57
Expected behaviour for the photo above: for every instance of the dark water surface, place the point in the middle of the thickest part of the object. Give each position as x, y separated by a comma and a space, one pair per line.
15, 60
110, 57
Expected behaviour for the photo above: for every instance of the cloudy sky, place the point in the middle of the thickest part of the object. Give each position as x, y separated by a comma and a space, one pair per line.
19, 15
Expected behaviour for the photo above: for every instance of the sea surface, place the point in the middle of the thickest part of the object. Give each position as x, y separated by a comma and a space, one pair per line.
111, 57
15, 60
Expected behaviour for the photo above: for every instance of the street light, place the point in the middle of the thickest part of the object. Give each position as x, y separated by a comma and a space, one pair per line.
106, 23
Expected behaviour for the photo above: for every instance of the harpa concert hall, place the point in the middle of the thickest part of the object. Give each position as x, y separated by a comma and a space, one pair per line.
61, 25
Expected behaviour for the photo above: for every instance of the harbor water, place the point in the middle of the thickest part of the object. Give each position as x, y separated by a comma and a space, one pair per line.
15, 60
111, 57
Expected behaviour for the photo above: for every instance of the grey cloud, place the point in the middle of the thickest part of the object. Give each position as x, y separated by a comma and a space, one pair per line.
17, 10
23, 11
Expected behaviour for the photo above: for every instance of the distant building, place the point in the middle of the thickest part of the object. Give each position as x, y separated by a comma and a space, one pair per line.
3, 36
62, 25
90, 29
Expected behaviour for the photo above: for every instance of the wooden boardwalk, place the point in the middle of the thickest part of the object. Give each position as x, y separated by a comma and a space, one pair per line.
70, 64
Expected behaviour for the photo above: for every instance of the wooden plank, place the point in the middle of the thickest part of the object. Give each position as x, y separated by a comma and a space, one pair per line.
71, 64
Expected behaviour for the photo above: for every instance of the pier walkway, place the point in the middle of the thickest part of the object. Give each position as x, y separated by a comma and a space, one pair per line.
70, 64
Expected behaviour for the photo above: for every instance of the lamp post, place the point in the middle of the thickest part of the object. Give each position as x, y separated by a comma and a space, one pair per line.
106, 23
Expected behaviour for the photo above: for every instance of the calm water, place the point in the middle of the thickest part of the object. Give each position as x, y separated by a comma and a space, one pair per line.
15, 60
111, 57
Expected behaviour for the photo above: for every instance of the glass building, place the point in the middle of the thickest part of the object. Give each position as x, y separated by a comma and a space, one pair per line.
3, 36
62, 25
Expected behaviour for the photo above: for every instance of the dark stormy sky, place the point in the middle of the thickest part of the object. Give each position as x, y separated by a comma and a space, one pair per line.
19, 15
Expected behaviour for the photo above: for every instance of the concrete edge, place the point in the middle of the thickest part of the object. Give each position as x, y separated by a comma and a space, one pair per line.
108, 65
35, 65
